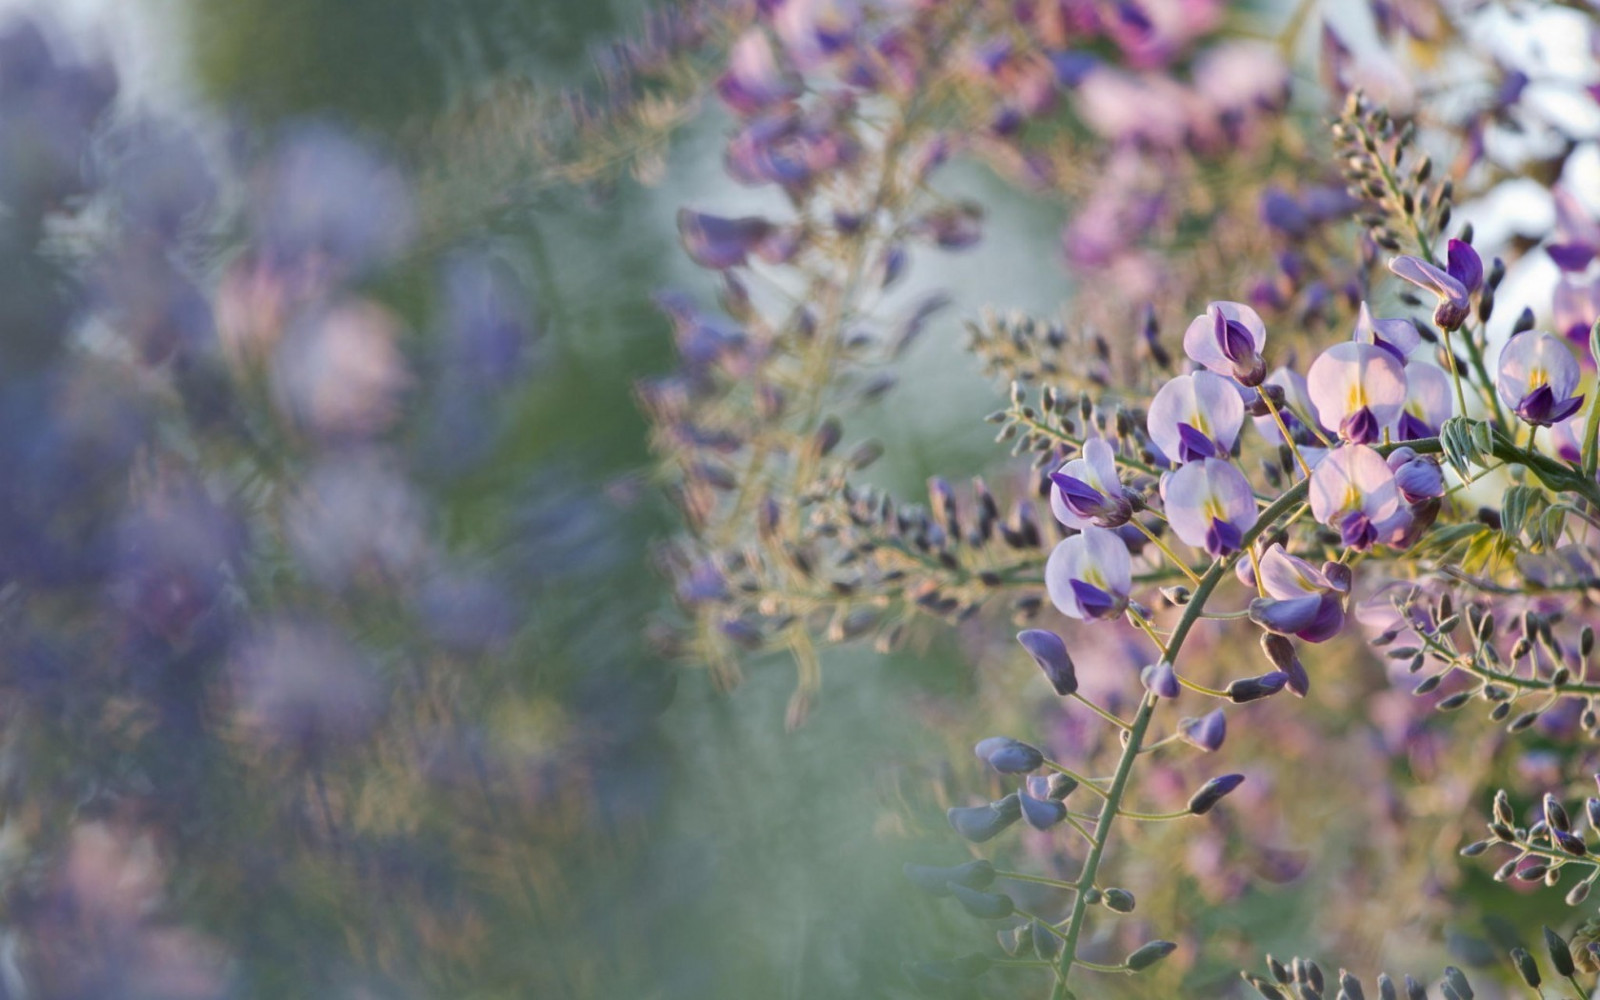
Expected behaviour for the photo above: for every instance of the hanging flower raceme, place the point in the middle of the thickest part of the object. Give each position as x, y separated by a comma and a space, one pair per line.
1195, 416
1086, 490
1358, 387
1353, 491
1453, 288
1537, 377
1210, 505
1089, 575
1227, 339
1303, 600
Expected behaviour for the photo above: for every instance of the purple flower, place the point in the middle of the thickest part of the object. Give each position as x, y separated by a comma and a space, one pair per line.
719, 243
1577, 231
1086, 490
1210, 505
302, 683
1576, 307
1089, 575
1418, 477
1227, 339
1303, 601
1448, 288
339, 372
1537, 377
1464, 265
1429, 402
1353, 491
1566, 437
1397, 336
1195, 416
754, 81
1360, 387
813, 31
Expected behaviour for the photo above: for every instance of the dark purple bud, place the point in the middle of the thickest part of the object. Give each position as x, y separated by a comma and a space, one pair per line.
1560, 954
1213, 792
1050, 652
1055, 786
1555, 814
1009, 756
1160, 680
1247, 689
1149, 954
1420, 479
1119, 900
930, 879
1206, 732
1464, 265
1042, 814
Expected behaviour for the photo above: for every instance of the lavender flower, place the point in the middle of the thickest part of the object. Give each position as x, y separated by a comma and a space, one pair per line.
1537, 377
1086, 490
1359, 386
1227, 339
1304, 602
1353, 491
1089, 575
1210, 505
1429, 402
754, 81
1577, 231
1418, 477
1448, 287
1397, 336
1195, 416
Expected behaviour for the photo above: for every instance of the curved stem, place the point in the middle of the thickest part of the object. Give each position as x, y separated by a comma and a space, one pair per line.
1141, 724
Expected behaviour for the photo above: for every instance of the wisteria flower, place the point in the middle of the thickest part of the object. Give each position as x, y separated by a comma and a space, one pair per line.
1353, 491
1428, 403
1576, 306
718, 243
1358, 387
1397, 336
754, 81
1303, 600
1089, 575
1577, 232
1210, 505
1086, 490
1537, 377
1566, 438
813, 31
1195, 416
1450, 287
1227, 338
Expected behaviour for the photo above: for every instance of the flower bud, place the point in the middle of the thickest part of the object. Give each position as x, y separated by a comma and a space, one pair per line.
1213, 792
983, 905
1009, 756
936, 881
1560, 955
1527, 968
1149, 954
1050, 652
1120, 900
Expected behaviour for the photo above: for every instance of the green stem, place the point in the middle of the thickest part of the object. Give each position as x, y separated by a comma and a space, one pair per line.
1141, 725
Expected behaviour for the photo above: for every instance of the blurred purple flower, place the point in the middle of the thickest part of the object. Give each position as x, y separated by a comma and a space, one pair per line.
339, 374
754, 81
1577, 232
356, 519
1537, 378
300, 683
